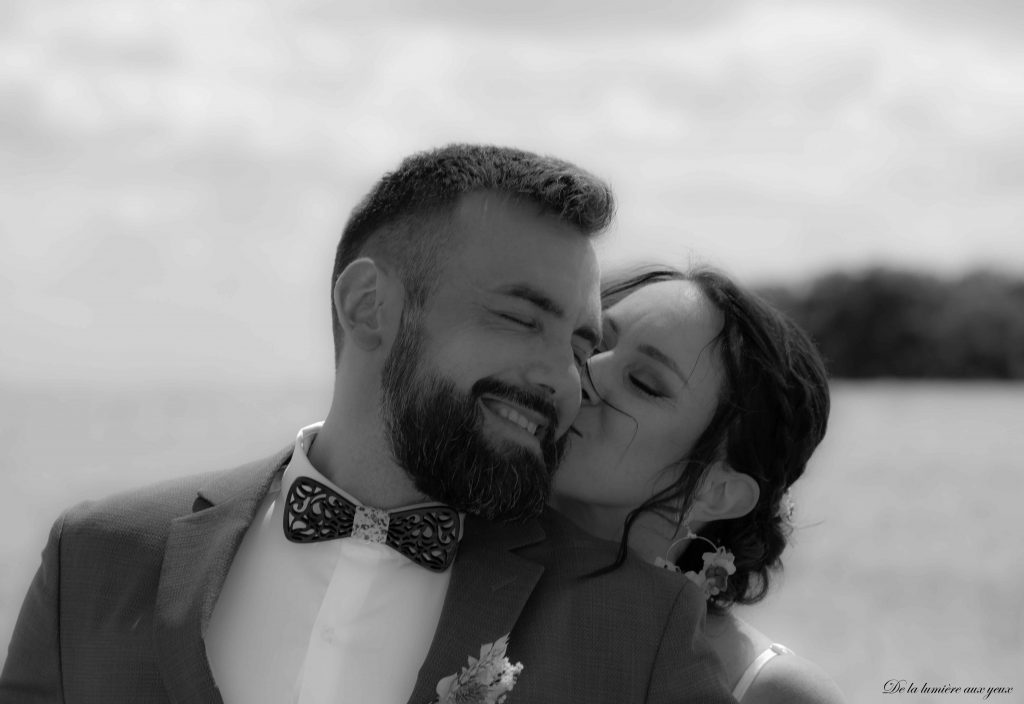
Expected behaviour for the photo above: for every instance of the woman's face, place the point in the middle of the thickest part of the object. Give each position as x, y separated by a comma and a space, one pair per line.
653, 387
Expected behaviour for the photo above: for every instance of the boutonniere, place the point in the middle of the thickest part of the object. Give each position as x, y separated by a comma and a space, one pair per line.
486, 680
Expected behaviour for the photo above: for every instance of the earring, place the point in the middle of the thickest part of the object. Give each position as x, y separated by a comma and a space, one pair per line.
718, 565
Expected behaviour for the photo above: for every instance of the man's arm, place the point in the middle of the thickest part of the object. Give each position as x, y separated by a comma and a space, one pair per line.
32, 672
686, 669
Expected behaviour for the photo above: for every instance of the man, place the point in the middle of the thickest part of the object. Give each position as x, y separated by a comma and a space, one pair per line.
370, 560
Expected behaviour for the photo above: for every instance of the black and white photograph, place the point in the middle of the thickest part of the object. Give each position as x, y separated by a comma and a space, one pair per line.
478, 353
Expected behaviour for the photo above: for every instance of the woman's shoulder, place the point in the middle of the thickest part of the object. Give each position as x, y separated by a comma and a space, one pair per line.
793, 680
778, 674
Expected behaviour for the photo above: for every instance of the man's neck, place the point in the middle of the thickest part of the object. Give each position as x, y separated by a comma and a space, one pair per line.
357, 461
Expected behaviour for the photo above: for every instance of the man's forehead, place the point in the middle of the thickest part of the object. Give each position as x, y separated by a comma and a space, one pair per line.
516, 234
481, 204
508, 246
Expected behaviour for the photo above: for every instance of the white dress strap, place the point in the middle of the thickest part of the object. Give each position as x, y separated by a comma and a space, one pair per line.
755, 667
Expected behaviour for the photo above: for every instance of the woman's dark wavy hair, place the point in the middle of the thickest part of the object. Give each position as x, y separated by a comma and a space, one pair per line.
771, 415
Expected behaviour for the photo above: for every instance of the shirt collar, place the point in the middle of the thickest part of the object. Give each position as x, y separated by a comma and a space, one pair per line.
300, 466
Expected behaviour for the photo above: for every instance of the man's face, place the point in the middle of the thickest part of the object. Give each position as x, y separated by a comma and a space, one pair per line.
482, 385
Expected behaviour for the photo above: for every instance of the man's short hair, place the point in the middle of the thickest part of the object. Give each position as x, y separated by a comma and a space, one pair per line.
406, 218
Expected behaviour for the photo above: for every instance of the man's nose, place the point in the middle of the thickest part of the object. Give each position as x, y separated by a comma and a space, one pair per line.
559, 380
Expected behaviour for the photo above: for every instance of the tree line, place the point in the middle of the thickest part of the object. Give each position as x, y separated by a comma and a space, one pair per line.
884, 322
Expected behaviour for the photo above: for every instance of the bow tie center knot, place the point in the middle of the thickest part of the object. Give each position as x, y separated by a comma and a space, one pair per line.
371, 524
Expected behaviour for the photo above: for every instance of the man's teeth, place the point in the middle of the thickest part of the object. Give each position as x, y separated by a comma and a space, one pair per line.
518, 419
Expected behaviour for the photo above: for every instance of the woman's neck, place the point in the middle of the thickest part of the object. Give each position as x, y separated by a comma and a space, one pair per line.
655, 536
604, 522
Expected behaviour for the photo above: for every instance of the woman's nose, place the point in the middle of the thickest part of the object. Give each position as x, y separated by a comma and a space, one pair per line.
587, 385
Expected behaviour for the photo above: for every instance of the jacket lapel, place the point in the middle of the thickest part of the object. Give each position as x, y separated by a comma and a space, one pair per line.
199, 551
489, 586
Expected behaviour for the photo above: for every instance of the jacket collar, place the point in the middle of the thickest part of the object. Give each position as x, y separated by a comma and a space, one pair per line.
200, 548
489, 586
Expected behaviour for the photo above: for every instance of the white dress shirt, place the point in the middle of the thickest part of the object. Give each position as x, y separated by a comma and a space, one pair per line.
337, 621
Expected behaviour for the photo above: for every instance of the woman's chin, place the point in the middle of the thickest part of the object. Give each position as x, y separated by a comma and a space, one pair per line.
560, 495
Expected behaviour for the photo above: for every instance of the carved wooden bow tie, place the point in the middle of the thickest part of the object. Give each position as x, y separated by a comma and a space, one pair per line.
427, 534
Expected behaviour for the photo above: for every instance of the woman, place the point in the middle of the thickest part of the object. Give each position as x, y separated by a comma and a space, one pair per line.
701, 408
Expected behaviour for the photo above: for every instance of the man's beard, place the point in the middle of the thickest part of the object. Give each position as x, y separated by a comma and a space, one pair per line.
437, 436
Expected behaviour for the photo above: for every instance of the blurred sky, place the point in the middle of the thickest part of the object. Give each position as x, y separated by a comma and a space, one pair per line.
173, 176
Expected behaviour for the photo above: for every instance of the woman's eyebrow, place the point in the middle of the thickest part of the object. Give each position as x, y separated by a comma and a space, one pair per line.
650, 351
659, 356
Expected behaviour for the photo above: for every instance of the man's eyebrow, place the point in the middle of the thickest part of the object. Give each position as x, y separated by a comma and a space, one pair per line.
537, 298
545, 303
659, 356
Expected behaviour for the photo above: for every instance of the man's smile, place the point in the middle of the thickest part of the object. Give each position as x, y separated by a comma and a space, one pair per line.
512, 414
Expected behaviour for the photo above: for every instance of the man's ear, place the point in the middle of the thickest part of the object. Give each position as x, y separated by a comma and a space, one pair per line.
359, 297
724, 493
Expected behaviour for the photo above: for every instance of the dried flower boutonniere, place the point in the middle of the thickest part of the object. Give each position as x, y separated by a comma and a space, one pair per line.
486, 680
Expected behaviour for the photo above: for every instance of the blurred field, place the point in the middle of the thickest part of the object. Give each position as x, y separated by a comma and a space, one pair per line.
907, 563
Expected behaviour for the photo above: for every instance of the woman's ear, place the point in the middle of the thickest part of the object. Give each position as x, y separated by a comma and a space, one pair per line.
358, 300
724, 493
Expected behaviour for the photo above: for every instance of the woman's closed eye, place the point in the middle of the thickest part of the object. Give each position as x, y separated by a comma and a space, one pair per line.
644, 386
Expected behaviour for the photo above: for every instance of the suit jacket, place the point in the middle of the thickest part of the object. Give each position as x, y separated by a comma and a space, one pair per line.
119, 606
